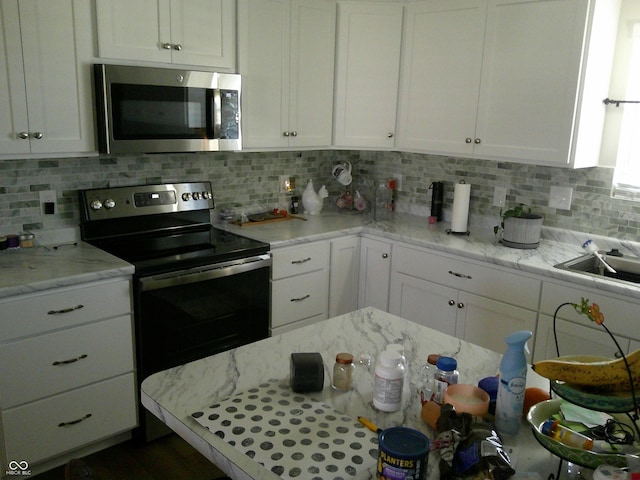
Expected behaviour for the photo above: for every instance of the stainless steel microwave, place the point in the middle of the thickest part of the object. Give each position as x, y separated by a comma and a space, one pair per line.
143, 109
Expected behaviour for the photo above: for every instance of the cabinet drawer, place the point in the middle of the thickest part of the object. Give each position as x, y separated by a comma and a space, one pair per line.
48, 364
49, 427
620, 316
490, 282
300, 297
39, 313
300, 259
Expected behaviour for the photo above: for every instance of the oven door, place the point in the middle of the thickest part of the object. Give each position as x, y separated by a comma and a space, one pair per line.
187, 315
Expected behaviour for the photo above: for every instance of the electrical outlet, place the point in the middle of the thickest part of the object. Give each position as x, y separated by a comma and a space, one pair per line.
560, 197
398, 177
499, 196
48, 202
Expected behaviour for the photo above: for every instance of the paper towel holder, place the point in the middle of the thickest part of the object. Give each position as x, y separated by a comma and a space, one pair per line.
464, 232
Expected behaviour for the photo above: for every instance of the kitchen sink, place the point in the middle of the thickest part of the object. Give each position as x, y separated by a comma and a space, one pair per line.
627, 267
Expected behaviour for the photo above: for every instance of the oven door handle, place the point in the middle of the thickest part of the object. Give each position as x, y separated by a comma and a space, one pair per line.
201, 274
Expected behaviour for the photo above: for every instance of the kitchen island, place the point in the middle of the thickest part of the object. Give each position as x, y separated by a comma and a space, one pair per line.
188, 397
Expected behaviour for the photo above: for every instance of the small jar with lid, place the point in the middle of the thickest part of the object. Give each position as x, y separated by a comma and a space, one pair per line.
343, 372
27, 240
445, 375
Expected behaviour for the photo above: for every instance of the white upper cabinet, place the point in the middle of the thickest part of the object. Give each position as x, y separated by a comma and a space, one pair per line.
45, 77
515, 80
286, 56
189, 32
369, 39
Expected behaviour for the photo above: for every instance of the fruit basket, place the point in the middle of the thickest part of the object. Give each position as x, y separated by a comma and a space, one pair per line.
541, 412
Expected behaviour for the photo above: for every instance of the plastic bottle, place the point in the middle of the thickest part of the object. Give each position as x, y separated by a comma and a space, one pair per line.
513, 379
427, 378
445, 375
382, 205
562, 434
389, 381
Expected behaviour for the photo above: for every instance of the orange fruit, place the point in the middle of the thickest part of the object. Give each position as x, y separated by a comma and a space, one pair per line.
533, 395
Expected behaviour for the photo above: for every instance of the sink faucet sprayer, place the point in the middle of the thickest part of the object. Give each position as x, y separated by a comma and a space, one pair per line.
591, 247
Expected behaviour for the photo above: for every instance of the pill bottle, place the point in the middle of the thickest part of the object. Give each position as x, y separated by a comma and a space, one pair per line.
389, 381
343, 372
445, 375
562, 434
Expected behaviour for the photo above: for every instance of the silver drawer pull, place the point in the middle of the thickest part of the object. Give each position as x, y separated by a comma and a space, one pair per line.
71, 360
300, 299
304, 260
73, 422
461, 275
65, 310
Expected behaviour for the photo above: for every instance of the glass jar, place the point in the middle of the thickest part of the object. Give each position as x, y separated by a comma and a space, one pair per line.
343, 372
27, 240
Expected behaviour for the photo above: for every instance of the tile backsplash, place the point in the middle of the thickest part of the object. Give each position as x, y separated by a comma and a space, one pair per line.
250, 181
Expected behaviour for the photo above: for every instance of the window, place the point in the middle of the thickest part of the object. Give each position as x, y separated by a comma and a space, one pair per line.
626, 179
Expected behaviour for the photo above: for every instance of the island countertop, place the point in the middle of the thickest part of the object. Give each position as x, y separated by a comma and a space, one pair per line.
181, 398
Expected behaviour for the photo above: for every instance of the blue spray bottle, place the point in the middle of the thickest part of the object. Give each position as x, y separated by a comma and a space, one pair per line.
513, 379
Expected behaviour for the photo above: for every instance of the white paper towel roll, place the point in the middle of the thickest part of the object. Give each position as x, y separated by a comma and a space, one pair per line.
460, 216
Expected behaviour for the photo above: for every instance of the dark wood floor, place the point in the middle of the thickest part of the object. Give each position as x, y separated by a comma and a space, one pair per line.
167, 458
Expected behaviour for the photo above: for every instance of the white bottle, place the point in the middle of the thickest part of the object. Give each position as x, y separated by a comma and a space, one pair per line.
389, 380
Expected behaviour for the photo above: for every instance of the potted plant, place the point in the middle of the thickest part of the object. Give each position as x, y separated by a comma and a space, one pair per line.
520, 228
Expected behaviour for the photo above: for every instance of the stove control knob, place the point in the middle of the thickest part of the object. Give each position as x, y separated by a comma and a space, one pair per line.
109, 203
206, 195
96, 205
186, 196
196, 195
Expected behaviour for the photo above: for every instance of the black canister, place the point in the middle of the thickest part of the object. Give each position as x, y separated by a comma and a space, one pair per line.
437, 193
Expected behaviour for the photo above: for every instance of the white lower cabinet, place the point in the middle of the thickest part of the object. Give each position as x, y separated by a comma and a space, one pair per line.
299, 286
375, 268
66, 370
478, 303
343, 277
575, 333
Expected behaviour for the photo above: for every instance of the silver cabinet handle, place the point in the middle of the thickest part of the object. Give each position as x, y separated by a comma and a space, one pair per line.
390, 135
65, 310
71, 360
177, 47
285, 134
461, 305
38, 135
73, 422
294, 134
385, 255
460, 275
300, 299
23, 135
297, 262
452, 302
476, 141
166, 46
468, 140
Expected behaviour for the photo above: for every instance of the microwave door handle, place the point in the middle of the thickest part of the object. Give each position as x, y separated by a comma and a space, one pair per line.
216, 113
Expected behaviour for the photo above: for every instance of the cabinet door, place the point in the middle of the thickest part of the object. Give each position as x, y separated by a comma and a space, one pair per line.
530, 77
487, 322
423, 302
442, 61
574, 339
134, 30
13, 96
375, 268
263, 54
343, 276
367, 74
205, 31
311, 73
57, 76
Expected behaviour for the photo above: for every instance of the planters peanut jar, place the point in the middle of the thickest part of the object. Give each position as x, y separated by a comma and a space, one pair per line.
403, 454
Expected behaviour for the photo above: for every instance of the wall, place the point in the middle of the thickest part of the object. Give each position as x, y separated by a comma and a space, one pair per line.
250, 181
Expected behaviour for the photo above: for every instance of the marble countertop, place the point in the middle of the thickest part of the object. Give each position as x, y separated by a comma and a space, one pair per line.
27, 270
175, 394
556, 246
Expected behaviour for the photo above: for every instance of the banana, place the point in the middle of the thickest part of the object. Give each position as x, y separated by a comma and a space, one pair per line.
599, 373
